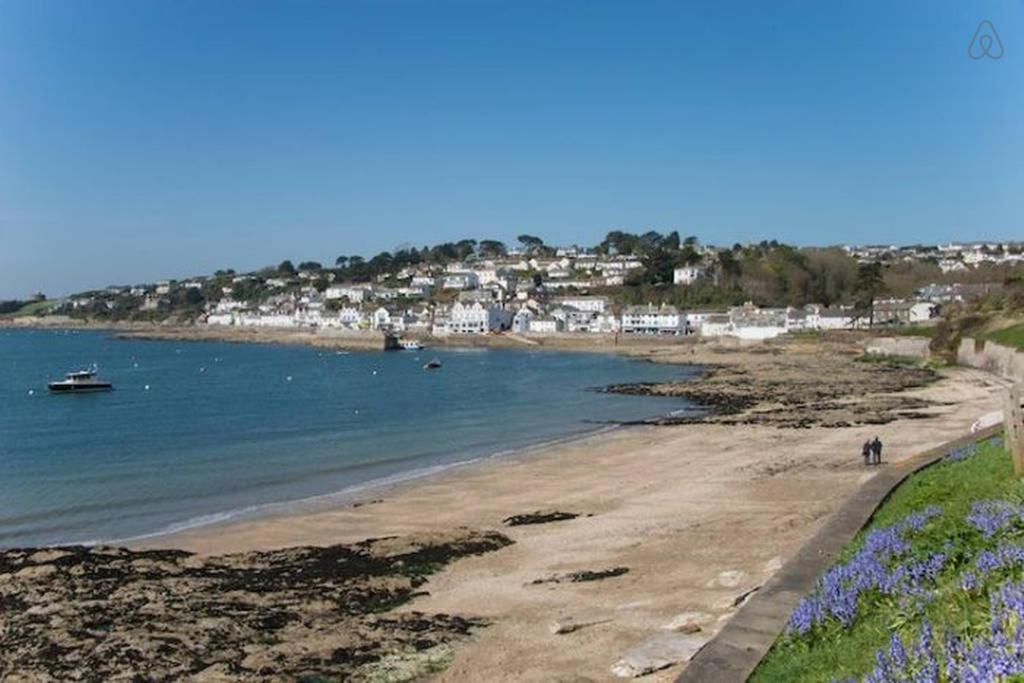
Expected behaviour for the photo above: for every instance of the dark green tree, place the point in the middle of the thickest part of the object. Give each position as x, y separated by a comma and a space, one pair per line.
870, 284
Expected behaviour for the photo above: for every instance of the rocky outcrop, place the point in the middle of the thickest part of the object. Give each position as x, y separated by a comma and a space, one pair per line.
539, 517
795, 391
77, 613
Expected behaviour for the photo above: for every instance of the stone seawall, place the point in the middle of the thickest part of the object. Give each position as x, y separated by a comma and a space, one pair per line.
996, 358
910, 347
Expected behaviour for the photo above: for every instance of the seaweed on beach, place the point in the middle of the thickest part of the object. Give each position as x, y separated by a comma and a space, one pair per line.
539, 517
583, 576
78, 613
795, 392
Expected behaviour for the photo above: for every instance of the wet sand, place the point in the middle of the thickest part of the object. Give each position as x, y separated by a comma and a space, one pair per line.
699, 514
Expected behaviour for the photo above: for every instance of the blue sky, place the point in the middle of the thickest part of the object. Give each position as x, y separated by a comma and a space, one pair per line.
142, 140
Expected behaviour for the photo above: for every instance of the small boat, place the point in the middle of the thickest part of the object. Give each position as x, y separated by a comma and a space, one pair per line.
410, 345
79, 381
432, 365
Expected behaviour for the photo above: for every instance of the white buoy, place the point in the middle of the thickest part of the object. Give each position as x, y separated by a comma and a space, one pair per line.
357, 412
146, 387
375, 372
202, 369
135, 365
32, 392
288, 378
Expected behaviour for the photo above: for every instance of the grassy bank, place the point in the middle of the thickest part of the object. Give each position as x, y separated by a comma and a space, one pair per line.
1008, 336
929, 591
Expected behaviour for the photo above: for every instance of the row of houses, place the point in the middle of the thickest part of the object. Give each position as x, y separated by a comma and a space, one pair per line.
475, 313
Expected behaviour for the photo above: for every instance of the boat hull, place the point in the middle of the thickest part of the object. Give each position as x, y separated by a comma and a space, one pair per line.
59, 388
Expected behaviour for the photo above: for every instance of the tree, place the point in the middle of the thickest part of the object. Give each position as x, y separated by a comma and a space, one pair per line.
341, 261
530, 243
869, 285
286, 268
619, 242
465, 248
310, 265
492, 248
671, 241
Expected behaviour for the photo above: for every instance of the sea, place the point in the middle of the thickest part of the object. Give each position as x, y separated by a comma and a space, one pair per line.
196, 433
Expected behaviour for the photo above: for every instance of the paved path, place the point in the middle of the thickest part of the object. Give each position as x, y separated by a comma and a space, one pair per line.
735, 651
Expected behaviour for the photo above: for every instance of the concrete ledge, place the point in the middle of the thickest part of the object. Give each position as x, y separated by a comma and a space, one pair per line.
733, 654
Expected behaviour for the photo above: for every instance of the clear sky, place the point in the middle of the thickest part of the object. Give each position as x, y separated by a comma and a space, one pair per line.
141, 140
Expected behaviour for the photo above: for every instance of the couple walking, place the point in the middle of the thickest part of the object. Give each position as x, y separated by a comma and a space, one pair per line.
872, 451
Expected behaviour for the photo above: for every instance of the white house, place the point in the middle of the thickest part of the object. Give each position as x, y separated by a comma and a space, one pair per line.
836, 319
351, 316
686, 275
653, 320
423, 281
753, 323
521, 322
545, 326
477, 318
715, 325
380, 318
590, 304
354, 293
462, 280
220, 319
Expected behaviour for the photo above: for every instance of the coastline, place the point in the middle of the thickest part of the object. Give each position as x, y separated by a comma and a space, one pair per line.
654, 531
354, 496
350, 340
696, 516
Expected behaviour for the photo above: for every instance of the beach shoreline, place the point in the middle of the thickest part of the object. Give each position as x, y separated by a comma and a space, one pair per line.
693, 516
645, 532
683, 519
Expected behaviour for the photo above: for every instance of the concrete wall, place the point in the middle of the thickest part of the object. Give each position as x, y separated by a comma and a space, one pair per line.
987, 355
911, 347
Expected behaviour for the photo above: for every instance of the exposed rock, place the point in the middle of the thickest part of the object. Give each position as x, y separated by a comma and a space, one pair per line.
299, 613
569, 624
583, 576
688, 622
787, 391
658, 652
539, 517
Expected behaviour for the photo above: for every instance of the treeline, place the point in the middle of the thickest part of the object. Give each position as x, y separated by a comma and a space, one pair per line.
11, 306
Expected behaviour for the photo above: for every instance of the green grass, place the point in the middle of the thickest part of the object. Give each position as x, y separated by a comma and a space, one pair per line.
835, 652
35, 308
1008, 336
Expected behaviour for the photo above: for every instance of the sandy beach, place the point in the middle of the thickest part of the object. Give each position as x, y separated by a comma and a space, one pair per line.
691, 518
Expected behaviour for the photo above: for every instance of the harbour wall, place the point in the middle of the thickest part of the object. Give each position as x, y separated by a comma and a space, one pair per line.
1002, 360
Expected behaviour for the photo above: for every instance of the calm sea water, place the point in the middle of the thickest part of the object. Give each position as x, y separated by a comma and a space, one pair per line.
233, 430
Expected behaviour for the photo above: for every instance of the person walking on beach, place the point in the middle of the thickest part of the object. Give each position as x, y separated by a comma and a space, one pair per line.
876, 450
866, 451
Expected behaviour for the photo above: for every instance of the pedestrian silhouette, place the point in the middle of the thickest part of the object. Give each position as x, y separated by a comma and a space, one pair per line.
876, 451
